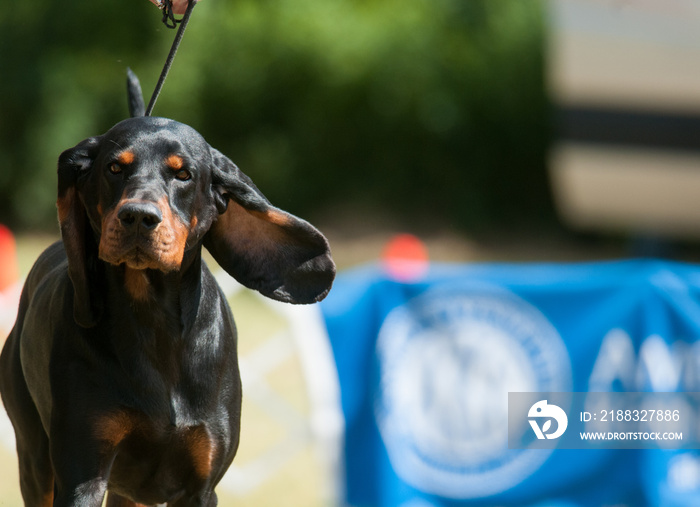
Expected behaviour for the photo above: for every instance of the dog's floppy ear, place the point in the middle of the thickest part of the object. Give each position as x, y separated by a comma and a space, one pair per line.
263, 247
73, 166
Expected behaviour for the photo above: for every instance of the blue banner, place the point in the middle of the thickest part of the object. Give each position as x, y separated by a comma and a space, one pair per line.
426, 367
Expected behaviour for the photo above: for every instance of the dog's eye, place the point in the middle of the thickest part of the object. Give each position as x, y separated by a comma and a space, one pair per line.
183, 175
115, 168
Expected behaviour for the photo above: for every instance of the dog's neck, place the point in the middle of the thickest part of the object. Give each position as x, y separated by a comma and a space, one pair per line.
157, 323
153, 288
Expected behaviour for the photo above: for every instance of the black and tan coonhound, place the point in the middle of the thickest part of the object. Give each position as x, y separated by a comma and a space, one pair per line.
121, 372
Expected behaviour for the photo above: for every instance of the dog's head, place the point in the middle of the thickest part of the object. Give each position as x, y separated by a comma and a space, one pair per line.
151, 189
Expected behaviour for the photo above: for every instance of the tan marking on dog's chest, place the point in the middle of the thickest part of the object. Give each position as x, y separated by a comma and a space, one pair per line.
137, 284
194, 444
201, 449
112, 428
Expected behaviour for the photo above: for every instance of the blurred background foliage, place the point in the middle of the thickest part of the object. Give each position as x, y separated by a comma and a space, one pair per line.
431, 111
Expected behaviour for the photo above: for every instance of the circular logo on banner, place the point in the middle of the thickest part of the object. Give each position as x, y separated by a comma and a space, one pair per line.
447, 360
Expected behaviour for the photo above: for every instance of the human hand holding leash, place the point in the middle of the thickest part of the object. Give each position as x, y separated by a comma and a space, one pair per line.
179, 6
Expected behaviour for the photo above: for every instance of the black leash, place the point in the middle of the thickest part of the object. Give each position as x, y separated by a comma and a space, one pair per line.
170, 21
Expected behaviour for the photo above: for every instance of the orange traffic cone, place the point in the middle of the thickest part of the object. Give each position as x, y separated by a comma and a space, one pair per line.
9, 271
405, 258
10, 288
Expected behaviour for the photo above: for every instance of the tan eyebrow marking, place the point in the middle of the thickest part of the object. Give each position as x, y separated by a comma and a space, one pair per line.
174, 162
125, 157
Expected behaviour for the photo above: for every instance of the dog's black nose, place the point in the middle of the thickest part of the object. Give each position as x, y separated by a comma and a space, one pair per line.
141, 215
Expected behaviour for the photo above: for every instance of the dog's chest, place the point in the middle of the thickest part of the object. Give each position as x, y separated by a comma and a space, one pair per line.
157, 460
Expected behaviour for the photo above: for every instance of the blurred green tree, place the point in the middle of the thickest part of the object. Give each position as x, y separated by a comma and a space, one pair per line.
423, 109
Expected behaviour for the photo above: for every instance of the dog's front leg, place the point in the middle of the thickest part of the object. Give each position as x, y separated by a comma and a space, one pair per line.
81, 469
87, 494
72, 490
